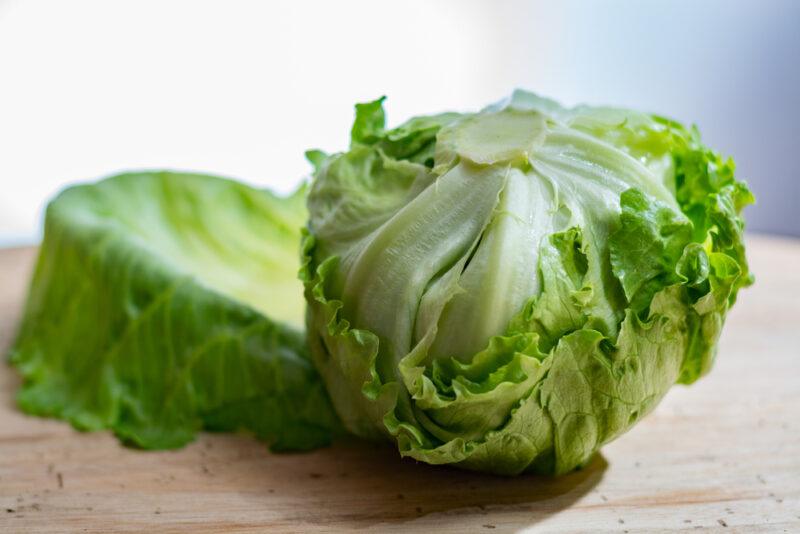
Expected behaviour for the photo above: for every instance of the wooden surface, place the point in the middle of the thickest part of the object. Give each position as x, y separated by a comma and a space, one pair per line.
722, 455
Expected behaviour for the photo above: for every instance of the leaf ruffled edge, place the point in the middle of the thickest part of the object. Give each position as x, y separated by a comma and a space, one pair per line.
702, 248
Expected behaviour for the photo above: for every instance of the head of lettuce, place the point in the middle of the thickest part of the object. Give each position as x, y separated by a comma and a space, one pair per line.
508, 290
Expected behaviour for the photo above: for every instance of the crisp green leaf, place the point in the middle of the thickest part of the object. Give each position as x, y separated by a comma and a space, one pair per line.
647, 247
163, 303
369, 123
316, 158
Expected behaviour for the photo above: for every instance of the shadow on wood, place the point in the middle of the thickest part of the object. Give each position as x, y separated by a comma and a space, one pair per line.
358, 484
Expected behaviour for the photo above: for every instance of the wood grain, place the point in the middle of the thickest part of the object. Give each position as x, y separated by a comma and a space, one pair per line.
722, 455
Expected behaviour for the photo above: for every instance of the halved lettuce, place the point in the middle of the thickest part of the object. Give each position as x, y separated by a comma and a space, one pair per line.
163, 303
510, 289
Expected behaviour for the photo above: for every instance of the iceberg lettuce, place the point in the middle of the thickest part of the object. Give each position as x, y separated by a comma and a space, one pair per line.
508, 290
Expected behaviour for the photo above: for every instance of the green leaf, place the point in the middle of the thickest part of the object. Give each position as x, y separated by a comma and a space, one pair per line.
647, 247
316, 158
369, 123
163, 303
413, 141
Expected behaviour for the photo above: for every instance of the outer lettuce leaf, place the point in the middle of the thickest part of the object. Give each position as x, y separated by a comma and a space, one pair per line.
529, 294
705, 253
647, 247
163, 303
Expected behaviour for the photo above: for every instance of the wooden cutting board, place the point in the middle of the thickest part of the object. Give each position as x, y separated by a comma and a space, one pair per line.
722, 455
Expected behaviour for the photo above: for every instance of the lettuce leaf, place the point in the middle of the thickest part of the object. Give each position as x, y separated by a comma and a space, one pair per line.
163, 303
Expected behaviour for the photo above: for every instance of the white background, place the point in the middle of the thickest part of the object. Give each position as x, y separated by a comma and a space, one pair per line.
88, 88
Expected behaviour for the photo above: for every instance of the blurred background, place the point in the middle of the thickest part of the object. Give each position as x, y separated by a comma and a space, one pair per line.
242, 88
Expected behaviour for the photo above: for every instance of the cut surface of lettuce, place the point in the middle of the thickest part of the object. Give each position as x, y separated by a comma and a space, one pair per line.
507, 290
163, 303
